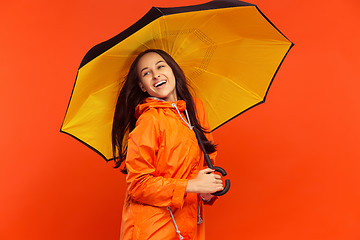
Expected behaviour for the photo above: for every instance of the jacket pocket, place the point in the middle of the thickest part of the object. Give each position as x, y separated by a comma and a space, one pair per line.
152, 223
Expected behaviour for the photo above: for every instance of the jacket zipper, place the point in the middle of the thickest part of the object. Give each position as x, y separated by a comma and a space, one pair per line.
188, 123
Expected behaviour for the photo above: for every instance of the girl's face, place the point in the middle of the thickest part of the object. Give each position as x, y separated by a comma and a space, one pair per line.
156, 77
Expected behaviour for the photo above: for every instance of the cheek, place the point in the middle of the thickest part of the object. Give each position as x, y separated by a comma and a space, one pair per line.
143, 85
147, 84
171, 76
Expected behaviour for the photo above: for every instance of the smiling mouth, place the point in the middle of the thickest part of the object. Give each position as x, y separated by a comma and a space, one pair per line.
158, 84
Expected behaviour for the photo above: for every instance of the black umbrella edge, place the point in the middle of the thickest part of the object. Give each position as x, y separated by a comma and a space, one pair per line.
61, 130
92, 148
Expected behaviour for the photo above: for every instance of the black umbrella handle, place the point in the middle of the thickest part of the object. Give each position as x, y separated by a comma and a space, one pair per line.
217, 169
222, 172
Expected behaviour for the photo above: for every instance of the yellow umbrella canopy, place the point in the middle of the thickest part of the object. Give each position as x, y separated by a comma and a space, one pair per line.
228, 50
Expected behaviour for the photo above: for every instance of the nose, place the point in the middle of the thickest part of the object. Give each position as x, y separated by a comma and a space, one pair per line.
156, 75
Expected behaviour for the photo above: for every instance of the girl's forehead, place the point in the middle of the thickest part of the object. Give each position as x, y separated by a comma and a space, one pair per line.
150, 59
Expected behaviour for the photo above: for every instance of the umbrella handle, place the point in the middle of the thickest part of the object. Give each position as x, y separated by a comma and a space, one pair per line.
227, 182
217, 169
222, 172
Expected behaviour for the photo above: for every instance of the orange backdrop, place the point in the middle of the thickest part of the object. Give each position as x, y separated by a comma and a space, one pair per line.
293, 161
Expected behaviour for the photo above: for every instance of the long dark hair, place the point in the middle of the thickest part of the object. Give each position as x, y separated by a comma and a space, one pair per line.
131, 95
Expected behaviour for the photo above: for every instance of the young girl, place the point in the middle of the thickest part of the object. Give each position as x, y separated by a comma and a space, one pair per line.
166, 180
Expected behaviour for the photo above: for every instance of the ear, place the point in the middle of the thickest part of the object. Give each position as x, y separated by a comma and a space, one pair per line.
142, 86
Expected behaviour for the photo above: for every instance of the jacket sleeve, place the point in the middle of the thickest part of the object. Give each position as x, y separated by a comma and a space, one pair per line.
143, 184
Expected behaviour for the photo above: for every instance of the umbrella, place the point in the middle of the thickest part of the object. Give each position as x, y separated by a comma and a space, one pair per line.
229, 51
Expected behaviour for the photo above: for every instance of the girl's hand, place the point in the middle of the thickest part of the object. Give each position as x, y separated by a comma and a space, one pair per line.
205, 183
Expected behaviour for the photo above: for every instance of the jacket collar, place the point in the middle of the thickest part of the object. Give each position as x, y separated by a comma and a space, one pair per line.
152, 102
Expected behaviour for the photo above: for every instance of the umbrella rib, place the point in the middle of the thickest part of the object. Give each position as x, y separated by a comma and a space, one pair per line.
209, 102
229, 80
237, 41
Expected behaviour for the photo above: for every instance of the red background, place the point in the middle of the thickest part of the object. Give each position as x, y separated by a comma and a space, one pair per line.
293, 161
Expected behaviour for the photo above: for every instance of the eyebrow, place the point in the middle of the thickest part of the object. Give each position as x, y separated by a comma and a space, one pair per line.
155, 64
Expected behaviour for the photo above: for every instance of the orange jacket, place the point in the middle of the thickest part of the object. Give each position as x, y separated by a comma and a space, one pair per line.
162, 155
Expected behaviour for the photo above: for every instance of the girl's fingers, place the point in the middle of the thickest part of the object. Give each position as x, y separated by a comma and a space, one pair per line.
219, 182
207, 170
217, 176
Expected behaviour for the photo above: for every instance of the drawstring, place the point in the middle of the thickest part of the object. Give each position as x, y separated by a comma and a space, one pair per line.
199, 221
187, 116
176, 227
